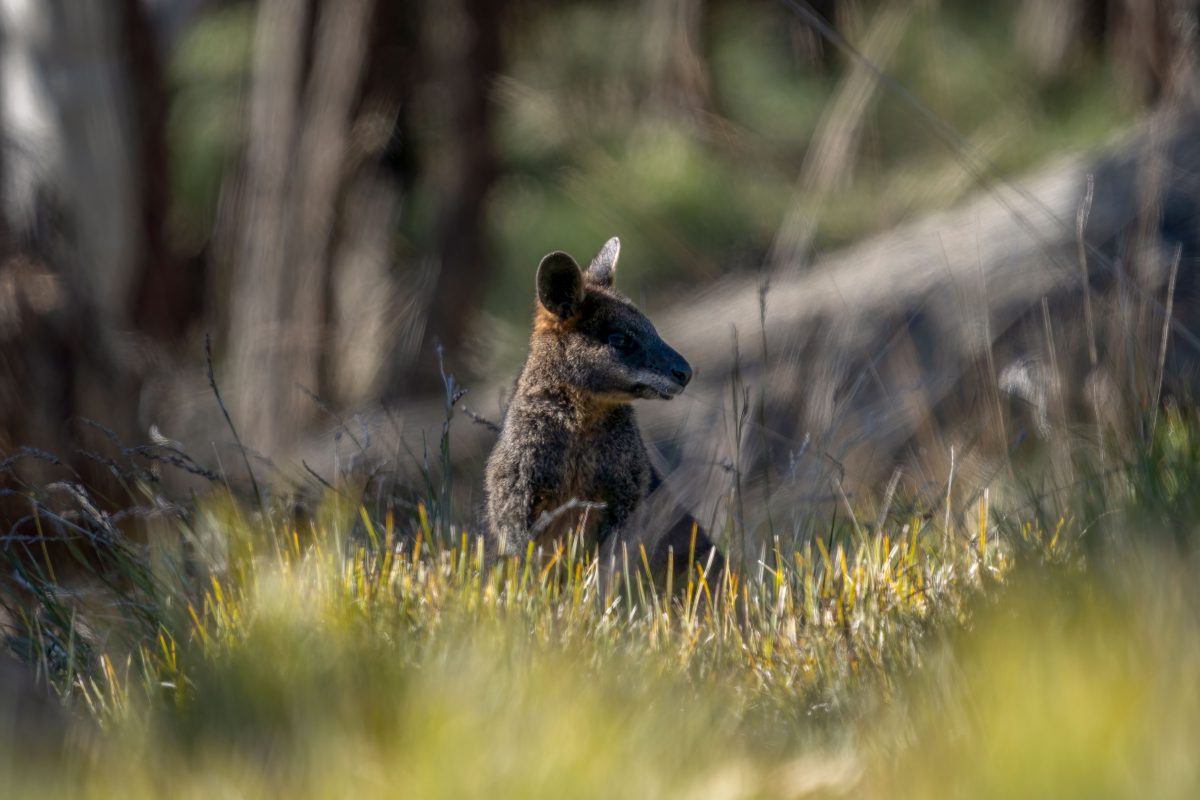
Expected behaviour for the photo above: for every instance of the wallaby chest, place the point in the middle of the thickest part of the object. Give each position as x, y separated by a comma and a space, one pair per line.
599, 466
599, 460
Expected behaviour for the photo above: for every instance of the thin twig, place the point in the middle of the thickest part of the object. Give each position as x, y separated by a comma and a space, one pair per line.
323, 406
548, 517
320, 480
949, 489
887, 498
481, 420
1081, 220
1166, 332
212, 382
849, 508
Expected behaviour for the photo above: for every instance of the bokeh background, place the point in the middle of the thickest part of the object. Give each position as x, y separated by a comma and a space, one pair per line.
266, 276
349, 199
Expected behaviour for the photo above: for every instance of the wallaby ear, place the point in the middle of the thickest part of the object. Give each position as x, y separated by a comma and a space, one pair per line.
603, 270
560, 284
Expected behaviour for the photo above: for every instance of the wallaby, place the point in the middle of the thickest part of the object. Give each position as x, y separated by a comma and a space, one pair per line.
570, 451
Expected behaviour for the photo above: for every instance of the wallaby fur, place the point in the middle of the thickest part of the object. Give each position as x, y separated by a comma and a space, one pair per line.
570, 451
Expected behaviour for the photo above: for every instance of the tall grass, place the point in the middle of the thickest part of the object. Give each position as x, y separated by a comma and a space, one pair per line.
347, 652
241, 653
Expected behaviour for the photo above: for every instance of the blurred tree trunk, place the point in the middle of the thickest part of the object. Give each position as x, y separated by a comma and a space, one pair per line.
462, 56
1154, 41
69, 151
808, 44
368, 314
1048, 31
834, 151
259, 376
674, 54
314, 299
308, 72
167, 298
82, 166
1151, 42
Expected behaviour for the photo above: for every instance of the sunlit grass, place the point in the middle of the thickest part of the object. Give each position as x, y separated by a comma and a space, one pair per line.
1066, 688
239, 654
360, 653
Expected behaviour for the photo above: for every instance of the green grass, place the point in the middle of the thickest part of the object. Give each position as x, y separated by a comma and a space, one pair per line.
353, 654
1065, 688
238, 655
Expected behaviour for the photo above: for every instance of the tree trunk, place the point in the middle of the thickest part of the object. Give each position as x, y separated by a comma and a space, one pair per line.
75, 217
674, 56
260, 338
463, 37
297, 149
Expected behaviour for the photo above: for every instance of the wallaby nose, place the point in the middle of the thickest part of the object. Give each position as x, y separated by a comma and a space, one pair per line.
682, 372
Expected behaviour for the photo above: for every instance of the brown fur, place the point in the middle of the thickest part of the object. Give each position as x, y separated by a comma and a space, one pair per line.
546, 324
570, 453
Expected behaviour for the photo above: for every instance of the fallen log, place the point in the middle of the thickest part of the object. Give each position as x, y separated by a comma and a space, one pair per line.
962, 332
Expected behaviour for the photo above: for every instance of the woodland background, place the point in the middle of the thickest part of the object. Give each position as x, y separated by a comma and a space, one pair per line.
266, 274
334, 190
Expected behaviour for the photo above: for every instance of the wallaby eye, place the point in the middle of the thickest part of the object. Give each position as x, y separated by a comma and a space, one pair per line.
620, 341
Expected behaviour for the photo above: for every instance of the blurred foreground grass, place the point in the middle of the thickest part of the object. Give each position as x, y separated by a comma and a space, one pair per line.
356, 656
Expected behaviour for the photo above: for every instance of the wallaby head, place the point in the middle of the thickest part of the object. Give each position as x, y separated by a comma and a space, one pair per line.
591, 339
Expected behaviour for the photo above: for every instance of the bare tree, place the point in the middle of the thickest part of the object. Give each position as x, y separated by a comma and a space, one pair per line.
81, 117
